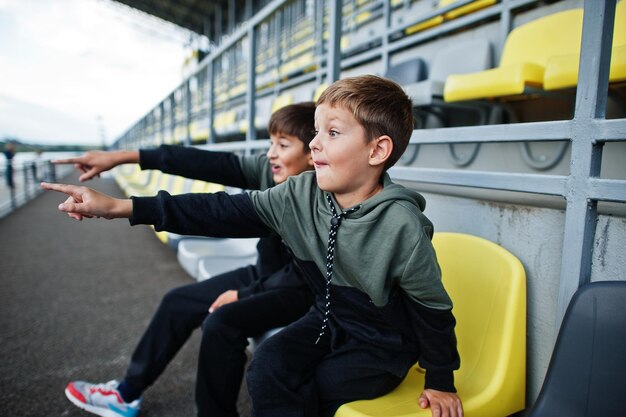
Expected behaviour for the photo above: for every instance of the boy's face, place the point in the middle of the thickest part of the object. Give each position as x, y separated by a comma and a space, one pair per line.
287, 156
341, 155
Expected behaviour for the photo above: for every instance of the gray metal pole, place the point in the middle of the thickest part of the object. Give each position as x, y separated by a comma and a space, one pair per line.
251, 84
591, 96
172, 115
188, 112
211, 98
162, 122
385, 41
333, 63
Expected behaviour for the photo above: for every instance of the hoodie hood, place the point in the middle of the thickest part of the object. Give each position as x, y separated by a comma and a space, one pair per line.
390, 194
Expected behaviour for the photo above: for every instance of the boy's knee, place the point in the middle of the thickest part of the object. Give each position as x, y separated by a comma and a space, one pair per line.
217, 331
264, 363
213, 323
172, 298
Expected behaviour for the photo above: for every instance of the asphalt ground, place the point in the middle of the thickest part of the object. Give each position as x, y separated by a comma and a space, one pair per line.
74, 299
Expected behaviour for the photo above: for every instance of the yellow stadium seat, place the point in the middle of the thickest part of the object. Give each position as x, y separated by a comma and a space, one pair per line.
319, 90
524, 58
136, 180
363, 17
198, 186
225, 123
305, 63
180, 132
124, 173
461, 57
463, 10
487, 285
562, 70
237, 90
452, 14
281, 101
426, 24
148, 189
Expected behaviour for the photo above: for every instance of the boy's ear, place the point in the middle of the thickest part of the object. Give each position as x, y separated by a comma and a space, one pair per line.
380, 150
309, 159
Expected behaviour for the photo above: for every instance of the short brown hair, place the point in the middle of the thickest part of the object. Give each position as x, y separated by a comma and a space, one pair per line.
295, 120
379, 105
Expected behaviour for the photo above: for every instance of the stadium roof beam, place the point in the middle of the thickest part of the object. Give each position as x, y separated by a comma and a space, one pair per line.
192, 14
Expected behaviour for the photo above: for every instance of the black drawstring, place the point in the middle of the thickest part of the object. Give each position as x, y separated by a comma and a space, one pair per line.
335, 222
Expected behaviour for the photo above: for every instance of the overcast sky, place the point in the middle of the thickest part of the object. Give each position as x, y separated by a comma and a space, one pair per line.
71, 69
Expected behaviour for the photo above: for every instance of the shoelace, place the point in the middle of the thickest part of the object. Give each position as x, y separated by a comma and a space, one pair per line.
335, 222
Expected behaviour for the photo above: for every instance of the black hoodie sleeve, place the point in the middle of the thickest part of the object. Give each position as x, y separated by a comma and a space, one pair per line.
434, 330
215, 214
189, 162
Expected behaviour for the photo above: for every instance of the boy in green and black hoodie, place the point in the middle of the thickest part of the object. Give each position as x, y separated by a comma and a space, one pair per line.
360, 240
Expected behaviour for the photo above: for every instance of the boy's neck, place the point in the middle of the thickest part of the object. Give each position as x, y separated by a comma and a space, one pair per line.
347, 200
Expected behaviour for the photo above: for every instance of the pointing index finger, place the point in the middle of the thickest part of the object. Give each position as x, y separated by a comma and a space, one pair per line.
62, 188
67, 161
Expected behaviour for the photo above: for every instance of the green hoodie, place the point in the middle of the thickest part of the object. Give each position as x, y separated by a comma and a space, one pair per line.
383, 245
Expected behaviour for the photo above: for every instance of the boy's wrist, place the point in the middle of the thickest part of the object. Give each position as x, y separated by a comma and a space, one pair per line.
126, 157
123, 208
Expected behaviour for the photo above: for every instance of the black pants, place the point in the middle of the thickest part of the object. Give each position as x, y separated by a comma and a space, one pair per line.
222, 355
292, 376
9, 176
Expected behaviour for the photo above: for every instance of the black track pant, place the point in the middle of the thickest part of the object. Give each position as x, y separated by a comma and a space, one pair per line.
222, 355
292, 376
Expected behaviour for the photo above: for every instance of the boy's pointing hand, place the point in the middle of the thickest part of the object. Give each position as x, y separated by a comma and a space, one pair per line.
85, 202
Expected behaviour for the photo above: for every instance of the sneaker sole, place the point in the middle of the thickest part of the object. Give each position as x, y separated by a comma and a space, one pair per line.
90, 408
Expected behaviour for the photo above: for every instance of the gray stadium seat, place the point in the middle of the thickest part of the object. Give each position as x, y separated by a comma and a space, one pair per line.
461, 57
408, 72
587, 372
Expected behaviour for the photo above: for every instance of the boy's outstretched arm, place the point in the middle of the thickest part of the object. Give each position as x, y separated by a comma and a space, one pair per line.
85, 202
200, 164
185, 161
441, 404
92, 163
215, 214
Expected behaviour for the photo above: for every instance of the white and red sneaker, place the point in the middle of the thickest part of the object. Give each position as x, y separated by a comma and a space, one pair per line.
101, 399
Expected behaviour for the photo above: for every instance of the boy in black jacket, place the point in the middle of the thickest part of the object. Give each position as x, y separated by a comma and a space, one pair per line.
242, 303
361, 241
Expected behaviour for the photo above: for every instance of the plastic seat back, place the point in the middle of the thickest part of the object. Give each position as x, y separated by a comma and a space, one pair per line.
587, 372
281, 101
318, 91
525, 56
408, 72
562, 69
463, 10
619, 28
487, 285
536, 41
462, 57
